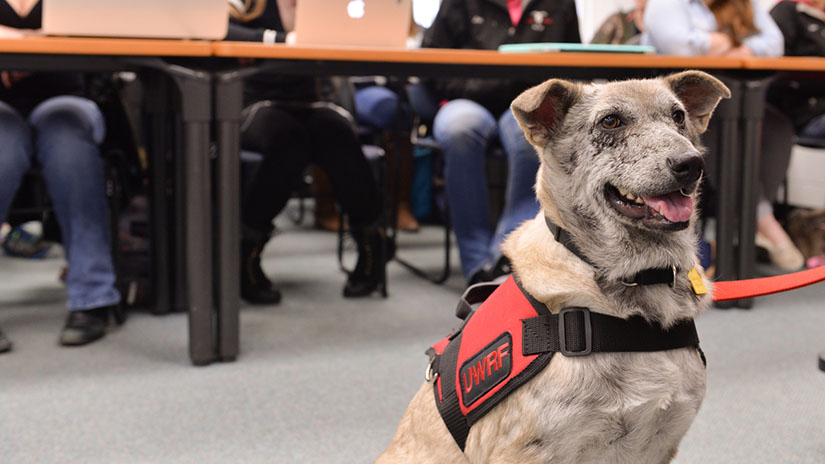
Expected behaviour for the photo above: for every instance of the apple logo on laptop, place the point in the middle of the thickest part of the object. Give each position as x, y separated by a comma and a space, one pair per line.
355, 9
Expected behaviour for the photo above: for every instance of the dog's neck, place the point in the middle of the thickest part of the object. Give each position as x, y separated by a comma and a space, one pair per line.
649, 276
559, 278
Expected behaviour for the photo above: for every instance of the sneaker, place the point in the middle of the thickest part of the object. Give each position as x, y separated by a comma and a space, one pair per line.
22, 244
84, 327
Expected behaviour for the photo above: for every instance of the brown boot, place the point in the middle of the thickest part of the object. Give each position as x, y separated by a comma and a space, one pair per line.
326, 212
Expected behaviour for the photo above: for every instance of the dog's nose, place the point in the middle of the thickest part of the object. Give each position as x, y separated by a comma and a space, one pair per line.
686, 167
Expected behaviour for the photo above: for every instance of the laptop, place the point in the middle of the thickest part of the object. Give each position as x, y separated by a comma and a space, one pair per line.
574, 47
156, 19
358, 23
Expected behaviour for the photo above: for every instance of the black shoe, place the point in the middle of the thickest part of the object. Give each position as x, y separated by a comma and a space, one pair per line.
488, 273
374, 250
256, 288
501, 268
5, 343
83, 327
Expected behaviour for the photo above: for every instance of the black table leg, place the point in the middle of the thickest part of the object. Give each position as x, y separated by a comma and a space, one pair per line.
196, 110
728, 113
228, 88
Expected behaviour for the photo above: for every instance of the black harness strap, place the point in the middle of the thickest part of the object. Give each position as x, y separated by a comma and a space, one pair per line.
449, 407
579, 332
645, 277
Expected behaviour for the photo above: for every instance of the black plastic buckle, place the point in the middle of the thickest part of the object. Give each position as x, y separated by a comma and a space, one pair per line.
588, 332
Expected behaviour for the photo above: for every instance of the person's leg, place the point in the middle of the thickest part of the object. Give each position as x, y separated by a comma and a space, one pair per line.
281, 140
815, 129
15, 157
464, 129
67, 133
15, 160
338, 152
777, 143
520, 202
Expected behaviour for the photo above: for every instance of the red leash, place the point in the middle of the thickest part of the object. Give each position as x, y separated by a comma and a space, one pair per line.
737, 289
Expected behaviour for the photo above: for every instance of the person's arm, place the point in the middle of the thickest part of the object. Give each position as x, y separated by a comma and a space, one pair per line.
610, 32
768, 41
669, 30
572, 34
238, 32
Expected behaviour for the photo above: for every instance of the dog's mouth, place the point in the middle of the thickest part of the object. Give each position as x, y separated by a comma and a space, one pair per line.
668, 211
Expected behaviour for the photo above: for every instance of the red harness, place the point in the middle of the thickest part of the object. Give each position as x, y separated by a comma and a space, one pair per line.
505, 343
511, 337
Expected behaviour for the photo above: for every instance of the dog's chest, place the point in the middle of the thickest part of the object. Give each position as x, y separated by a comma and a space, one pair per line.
618, 408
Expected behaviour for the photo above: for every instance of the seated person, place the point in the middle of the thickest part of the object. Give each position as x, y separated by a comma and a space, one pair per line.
623, 27
283, 122
802, 24
734, 28
476, 115
44, 120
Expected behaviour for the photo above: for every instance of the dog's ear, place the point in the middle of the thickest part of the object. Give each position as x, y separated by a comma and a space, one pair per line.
541, 109
700, 93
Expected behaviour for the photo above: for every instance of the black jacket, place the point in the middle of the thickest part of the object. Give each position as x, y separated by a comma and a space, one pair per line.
271, 85
803, 27
486, 24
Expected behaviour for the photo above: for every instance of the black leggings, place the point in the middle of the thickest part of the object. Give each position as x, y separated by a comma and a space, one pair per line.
290, 137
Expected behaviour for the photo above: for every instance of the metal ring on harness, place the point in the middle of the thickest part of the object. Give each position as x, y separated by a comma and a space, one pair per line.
429, 375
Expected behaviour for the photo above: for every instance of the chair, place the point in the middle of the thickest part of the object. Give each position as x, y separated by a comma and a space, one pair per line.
424, 110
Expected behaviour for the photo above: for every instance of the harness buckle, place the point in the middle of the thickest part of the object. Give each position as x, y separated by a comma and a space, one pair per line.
588, 332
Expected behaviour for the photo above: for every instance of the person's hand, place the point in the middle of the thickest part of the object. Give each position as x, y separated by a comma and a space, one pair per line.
741, 51
720, 44
290, 38
9, 78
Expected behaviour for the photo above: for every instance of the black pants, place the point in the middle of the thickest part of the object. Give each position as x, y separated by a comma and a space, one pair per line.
292, 136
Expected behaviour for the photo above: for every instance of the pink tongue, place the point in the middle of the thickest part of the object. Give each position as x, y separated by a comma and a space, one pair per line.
675, 207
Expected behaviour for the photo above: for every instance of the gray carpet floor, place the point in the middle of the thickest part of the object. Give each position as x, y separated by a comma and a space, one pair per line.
321, 379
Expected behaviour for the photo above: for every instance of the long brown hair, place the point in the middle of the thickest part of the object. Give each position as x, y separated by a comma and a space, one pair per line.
250, 10
734, 18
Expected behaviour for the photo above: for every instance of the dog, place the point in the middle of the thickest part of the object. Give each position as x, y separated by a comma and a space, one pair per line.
621, 163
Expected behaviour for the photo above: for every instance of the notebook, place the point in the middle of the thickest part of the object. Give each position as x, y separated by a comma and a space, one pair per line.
159, 19
574, 47
360, 23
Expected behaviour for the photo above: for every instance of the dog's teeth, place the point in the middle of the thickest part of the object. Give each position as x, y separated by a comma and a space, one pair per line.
639, 200
630, 197
661, 212
623, 192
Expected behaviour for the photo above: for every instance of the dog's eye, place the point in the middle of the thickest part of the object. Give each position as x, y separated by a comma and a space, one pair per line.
611, 122
678, 117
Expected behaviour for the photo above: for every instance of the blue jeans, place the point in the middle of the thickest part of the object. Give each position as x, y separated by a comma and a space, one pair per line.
465, 130
62, 134
377, 107
815, 129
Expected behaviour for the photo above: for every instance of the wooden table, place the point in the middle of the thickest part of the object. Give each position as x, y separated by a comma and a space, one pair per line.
156, 59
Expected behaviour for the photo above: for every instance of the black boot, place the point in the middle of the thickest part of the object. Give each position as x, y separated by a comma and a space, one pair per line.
256, 288
83, 327
374, 250
5, 343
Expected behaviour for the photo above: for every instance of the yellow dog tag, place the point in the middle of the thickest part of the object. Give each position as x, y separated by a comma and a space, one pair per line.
696, 282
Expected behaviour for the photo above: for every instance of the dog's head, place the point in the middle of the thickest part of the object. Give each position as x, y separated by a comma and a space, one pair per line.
620, 160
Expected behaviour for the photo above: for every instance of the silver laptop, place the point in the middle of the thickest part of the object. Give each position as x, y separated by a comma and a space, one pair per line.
360, 23
157, 19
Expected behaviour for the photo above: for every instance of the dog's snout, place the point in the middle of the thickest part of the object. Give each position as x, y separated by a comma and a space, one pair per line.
686, 167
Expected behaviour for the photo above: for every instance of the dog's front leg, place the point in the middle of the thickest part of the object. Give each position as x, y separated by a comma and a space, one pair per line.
422, 437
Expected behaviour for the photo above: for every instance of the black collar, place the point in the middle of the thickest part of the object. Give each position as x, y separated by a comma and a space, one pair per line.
651, 276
